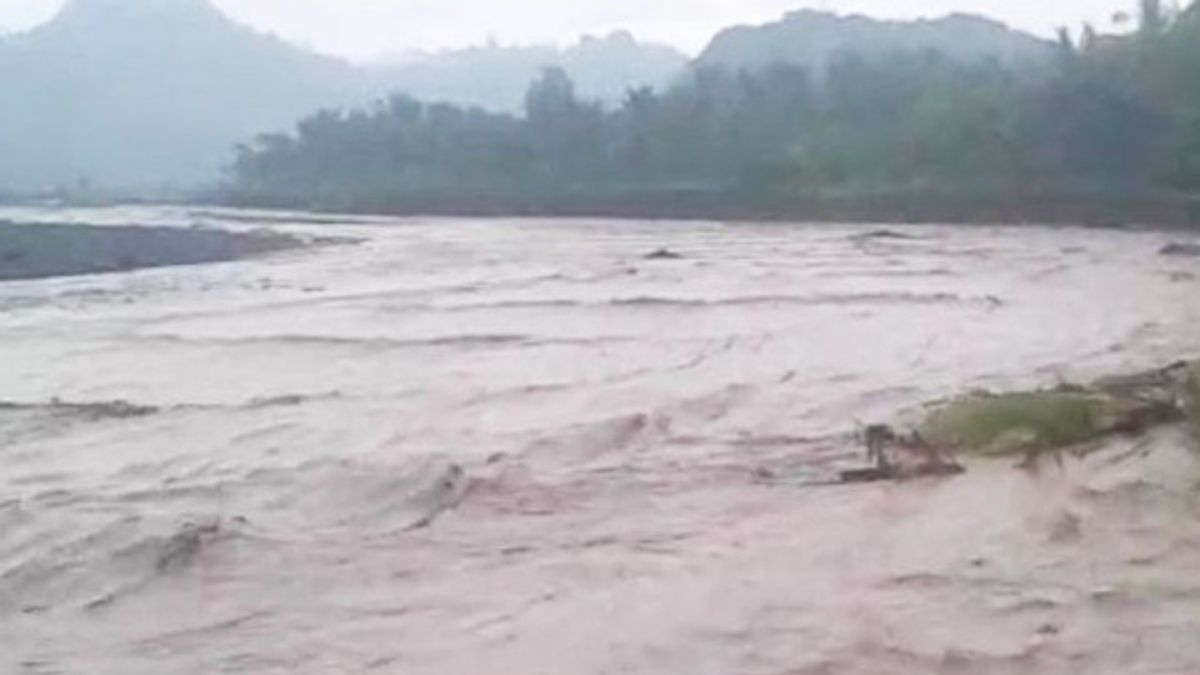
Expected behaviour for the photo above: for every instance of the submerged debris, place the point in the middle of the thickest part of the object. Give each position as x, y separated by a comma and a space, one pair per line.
284, 401
103, 410
663, 254
445, 494
896, 456
1192, 397
180, 550
882, 234
1181, 249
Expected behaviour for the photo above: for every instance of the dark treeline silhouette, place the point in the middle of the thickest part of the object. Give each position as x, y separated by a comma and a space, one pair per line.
1108, 130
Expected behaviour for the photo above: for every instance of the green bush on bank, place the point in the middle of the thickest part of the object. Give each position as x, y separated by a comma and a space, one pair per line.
1019, 422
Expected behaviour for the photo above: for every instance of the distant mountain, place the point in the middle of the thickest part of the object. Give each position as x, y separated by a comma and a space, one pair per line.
811, 39
150, 94
497, 77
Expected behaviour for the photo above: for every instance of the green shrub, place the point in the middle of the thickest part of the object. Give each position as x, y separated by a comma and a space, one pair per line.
1019, 422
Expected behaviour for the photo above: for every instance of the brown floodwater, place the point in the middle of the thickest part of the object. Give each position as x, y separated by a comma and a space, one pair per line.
521, 447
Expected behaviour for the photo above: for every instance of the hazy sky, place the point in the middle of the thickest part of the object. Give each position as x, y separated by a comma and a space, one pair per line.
363, 28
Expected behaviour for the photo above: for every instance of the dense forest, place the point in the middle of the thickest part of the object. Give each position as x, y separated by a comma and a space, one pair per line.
1107, 128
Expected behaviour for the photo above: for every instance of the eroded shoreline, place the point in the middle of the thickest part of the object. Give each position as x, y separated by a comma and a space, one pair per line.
41, 250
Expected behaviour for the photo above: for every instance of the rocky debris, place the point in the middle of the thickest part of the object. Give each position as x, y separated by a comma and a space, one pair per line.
1149, 399
896, 456
871, 475
1175, 248
663, 254
94, 412
892, 473
180, 550
443, 495
119, 410
283, 401
881, 235
1192, 397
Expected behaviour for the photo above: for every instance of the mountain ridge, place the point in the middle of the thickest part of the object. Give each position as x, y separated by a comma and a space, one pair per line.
813, 38
156, 93
496, 77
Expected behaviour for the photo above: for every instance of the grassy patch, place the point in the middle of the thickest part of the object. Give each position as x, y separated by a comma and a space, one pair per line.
1019, 422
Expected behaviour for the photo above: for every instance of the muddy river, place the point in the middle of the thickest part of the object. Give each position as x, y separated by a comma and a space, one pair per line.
525, 447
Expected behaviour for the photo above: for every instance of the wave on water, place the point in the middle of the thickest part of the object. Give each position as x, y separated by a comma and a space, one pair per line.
838, 299
812, 300
380, 343
125, 547
115, 559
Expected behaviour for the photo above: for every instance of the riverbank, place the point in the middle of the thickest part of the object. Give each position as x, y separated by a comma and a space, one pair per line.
1092, 208
38, 250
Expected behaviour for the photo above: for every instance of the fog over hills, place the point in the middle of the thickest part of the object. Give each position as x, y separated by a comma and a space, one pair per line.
146, 94
497, 77
154, 94
809, 38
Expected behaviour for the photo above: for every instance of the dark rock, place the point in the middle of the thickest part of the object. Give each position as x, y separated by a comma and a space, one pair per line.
873, 475
1181, 249
94, 412
113, 410
444, 495
663, 254
179, 551
764, 474
883, 234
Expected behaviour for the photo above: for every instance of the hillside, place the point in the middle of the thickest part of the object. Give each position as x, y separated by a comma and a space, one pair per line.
497, 77
148, 93
152, 95
811, 39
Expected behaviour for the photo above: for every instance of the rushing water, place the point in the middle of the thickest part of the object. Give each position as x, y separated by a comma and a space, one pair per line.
522, 447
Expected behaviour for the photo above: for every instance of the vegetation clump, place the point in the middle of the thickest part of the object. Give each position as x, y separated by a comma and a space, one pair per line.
1019, 422
1029, 422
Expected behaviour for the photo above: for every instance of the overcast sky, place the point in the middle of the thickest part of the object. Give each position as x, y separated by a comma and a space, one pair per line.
364, 28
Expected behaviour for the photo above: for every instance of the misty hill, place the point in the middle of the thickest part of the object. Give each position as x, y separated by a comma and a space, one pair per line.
149, 94
497, 77
811, 38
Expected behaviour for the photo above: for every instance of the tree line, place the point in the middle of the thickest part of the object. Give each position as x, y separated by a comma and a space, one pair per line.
1103, 120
